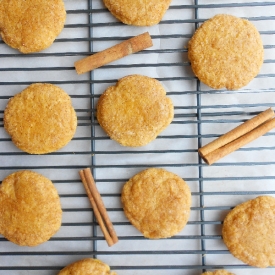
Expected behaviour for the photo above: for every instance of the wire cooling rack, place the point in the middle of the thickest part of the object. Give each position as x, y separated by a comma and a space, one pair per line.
201, 114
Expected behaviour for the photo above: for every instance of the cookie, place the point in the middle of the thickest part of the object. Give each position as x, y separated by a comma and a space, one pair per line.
248, 231
87, 267
226, 52
135, 110
218, 272
40, 119
30, 210
138, 13
31, 25
157, 203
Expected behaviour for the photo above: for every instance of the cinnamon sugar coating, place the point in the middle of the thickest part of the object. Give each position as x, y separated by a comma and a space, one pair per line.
138, 13
248, 231
30, 209
87, 267
226, 52
31, 25
135, 110
157, 202
40, 119
218, 272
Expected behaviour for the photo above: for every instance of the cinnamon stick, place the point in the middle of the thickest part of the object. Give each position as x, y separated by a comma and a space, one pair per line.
98, 207
238, 137
132, 45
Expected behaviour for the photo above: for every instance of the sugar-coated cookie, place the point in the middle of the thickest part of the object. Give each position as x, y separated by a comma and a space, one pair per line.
135, 110
31, 25
217, 272
226, 52
87, 267
30, 209
40, 119
157, 202
138, 13
248, 231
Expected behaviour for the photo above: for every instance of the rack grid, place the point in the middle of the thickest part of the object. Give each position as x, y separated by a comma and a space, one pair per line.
201, 114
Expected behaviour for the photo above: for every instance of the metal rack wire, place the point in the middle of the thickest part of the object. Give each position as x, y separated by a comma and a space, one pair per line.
201, 114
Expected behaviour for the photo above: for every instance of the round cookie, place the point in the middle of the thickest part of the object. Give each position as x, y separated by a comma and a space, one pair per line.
157, 203
218, 272
30, 210
138, 13
31, 25
135, 110
87, 267
40, 119
226, 51
248, 231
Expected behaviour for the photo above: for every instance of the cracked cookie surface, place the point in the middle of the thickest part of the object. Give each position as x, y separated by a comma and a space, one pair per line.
87, 267
135, 110
30, 209
248, 231
31, 25
226, 52
40, 119
157, 202
138, 12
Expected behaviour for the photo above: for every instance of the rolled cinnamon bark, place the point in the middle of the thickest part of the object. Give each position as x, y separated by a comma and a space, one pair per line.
100, 221
132, 45
100, 204
98, 207
238, 137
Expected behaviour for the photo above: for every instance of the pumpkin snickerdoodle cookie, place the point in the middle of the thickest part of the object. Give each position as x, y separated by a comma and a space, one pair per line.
40, 119
87, 267
248, 231
135, 110
30, 209
226, 52
217, 272
157, 202
31, 25
138, 13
